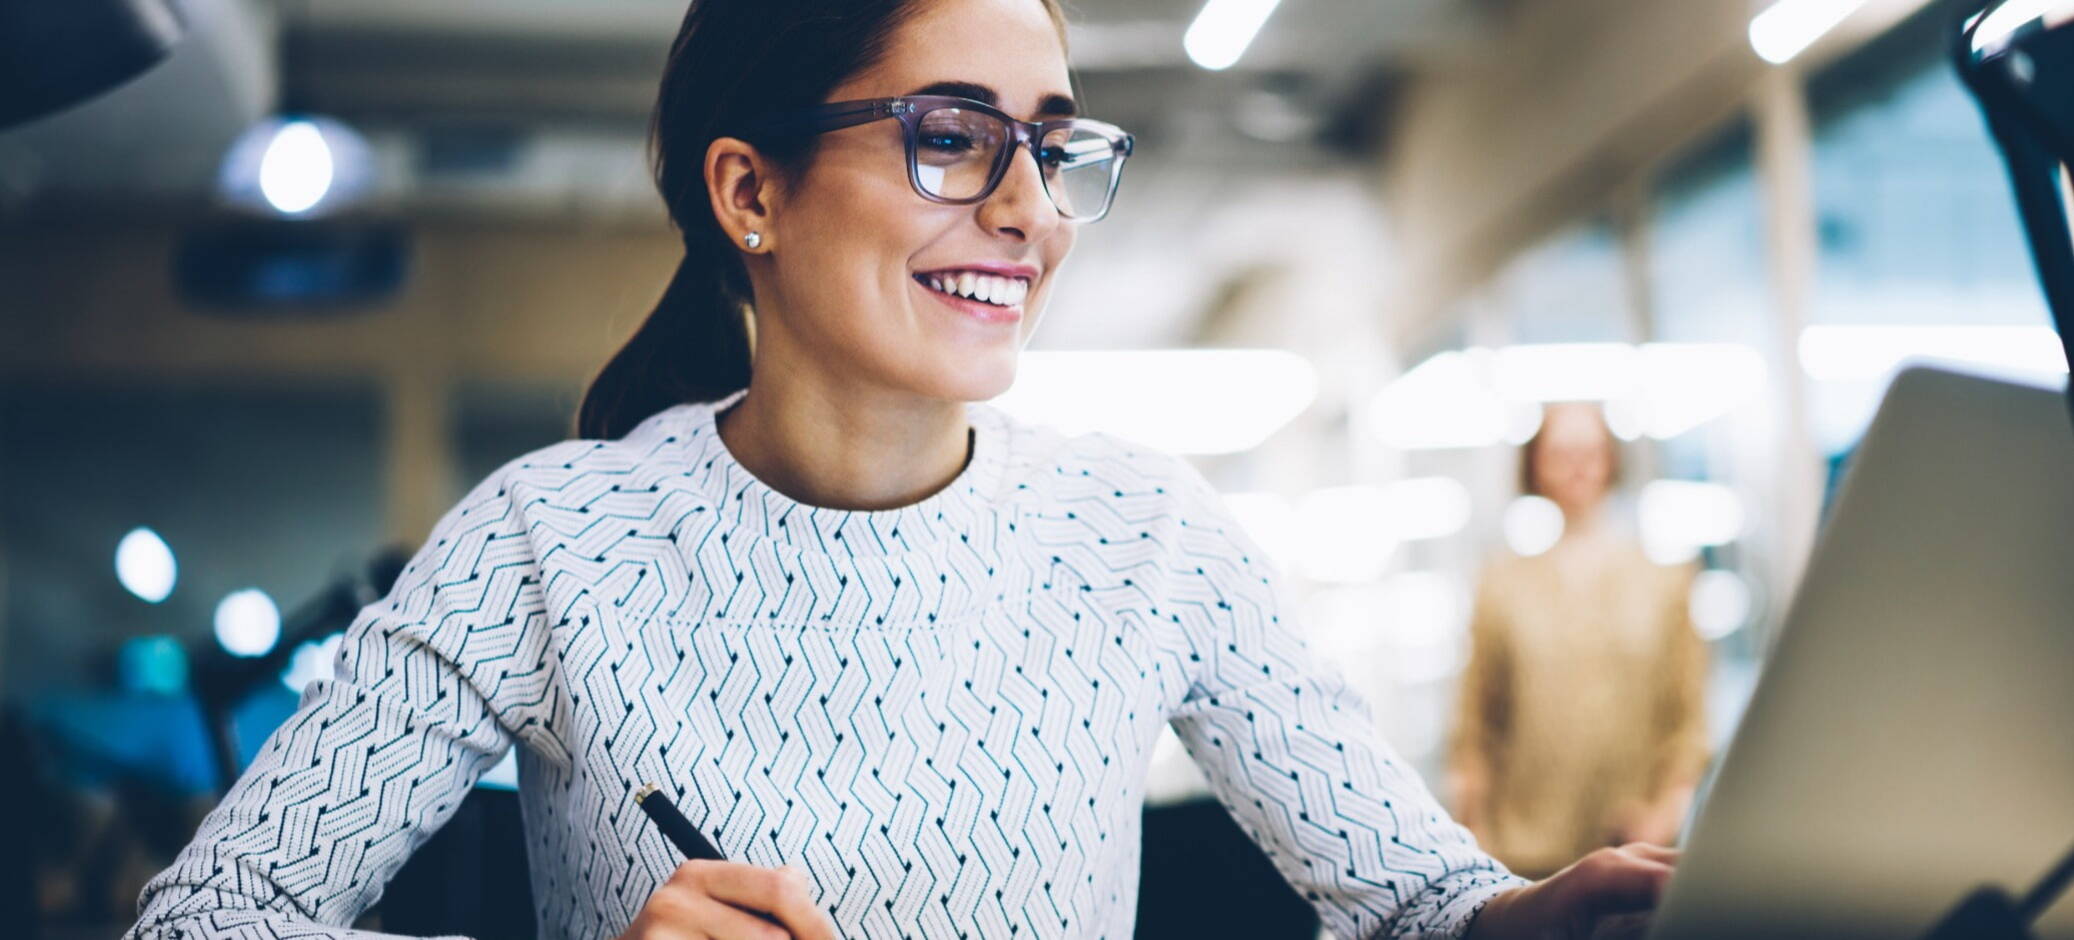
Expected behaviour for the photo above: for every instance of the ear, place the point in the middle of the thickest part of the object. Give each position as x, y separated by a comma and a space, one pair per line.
741, 184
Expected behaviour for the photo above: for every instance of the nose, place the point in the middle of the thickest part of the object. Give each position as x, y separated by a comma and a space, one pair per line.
1020, 208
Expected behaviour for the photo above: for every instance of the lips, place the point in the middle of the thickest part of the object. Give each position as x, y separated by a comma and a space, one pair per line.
993, 293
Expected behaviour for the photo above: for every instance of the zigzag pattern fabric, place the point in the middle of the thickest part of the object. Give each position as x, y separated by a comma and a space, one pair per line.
943, 712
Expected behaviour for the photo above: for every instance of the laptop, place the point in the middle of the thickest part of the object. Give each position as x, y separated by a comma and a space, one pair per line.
1912, 735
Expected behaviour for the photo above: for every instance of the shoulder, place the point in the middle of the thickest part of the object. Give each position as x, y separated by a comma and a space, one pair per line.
559, 472
1056, 465
1630, 555
1132, 502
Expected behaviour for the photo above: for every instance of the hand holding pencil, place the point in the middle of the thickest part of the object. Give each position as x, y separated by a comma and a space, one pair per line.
710, 897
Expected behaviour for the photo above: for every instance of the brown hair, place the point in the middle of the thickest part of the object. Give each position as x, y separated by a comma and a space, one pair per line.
732, 61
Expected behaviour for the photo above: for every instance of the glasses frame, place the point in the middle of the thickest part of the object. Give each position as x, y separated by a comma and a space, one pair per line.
909, 109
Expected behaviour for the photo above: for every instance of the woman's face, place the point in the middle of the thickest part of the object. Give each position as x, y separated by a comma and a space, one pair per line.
1574, 463
847, 289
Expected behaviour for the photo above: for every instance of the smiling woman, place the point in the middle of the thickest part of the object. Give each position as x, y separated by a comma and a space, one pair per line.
745, 144
903, 658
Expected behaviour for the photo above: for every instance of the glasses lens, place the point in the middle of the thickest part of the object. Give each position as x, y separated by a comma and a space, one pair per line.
1080, 169
956, 150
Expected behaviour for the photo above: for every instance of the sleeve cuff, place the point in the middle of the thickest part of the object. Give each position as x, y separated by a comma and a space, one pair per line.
1450, 909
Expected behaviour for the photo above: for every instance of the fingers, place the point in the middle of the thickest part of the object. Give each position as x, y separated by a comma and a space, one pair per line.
780, 892
1652, 852
1613, 881
721, 921
799, 914
1606, 894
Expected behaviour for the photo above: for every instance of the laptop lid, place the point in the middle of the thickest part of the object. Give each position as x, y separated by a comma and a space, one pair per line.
1912, 734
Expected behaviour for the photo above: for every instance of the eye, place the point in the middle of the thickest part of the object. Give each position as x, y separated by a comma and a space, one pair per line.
1076, 151
946, 140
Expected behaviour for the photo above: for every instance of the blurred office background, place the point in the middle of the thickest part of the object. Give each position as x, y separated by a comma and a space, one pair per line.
1344, 274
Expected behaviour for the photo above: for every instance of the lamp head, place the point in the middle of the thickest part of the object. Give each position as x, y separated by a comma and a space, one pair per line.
2017, 58
57, 53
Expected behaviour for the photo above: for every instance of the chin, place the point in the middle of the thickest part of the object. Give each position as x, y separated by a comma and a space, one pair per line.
974, 377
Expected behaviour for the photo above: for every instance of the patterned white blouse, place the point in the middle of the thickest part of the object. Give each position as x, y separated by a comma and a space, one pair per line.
943, 712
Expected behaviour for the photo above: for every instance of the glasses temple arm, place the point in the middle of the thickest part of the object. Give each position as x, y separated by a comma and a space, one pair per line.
829, 117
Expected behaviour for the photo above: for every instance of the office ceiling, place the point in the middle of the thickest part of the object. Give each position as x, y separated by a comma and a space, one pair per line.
539, 105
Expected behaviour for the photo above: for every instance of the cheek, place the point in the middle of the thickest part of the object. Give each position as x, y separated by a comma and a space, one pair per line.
1055, 251
851, 254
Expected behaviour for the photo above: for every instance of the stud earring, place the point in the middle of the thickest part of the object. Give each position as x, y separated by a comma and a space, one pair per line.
754, 240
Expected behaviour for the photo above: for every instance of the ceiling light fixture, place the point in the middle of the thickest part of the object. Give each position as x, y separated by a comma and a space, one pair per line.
1187, 401
1787, 28
1223, 30
295, 163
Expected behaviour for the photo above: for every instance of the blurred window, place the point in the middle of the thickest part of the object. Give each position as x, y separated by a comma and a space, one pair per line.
1917, 228
1707, 270
1916, 220
1567, 289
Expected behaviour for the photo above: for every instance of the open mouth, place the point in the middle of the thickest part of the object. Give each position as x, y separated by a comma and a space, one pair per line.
979, 286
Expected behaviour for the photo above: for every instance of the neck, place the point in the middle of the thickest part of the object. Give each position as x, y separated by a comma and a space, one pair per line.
845, 448
1582, 521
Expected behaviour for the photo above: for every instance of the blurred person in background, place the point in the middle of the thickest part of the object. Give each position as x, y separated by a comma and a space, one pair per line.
1581, 721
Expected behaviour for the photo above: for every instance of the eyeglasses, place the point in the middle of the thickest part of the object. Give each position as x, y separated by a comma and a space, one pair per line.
959, 149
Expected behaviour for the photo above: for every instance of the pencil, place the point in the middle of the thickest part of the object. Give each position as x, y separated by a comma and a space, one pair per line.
681, 833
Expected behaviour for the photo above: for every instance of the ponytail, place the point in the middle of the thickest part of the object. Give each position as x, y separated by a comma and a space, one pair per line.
694, 347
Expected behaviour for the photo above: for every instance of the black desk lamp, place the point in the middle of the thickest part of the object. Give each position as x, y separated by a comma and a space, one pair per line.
57, 53
2017, 58
1990, 913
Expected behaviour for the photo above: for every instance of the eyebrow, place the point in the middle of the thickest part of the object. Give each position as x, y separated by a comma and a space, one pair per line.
1052, 106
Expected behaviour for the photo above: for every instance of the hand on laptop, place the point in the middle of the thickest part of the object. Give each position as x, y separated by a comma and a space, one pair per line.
1608, 893
1656, 821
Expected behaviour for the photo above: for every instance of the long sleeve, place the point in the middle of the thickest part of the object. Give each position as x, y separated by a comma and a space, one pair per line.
1292, 752
374, 760
1681, 706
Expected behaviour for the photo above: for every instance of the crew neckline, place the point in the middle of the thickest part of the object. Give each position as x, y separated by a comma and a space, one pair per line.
745, 503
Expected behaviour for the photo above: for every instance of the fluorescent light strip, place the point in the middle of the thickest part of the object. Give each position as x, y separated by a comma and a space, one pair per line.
1841, 353
1679, 517
2003, 21
1787, 28
1479, 397
1221, 33
1186, 401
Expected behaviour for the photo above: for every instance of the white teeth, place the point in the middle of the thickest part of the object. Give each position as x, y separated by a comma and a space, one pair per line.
986, 288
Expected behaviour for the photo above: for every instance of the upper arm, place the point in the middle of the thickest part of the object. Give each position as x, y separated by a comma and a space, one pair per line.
378, 756
1295, 756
